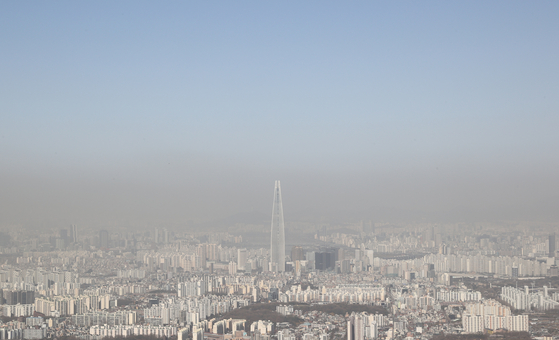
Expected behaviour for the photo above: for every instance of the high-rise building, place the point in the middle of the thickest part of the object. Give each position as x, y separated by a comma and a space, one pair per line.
297, 254
64, 237
356, 327
341, 254
165, 236
103, 239
552, 245
201, 256
514, 272
19, 297
242, 259
232, 268
156, 235
212, 252
325, 260
277, 247
73, 233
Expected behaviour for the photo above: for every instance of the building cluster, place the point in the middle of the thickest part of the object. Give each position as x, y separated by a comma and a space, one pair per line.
353, 293
445, 294
105, 318
361, 326
492, 315
387, 282
62, 305
523, 299
510, 266
124, 331
191, 310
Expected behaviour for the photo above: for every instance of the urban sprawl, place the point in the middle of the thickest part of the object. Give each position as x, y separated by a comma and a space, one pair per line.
351, 281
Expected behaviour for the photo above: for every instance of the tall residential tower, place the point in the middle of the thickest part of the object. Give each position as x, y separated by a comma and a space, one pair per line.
277, 247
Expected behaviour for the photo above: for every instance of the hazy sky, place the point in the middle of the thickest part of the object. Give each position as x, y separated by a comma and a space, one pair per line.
164, 112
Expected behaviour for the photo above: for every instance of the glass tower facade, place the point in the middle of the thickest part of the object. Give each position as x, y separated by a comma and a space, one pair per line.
277, 246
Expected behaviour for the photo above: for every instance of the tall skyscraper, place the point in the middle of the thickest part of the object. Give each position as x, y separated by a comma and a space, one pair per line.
277, 247
552, 245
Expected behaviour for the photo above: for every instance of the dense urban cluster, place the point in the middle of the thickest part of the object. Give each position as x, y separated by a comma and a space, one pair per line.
361, 281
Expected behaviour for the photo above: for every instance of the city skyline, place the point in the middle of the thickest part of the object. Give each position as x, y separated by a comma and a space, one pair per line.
416, 142
207, 285
277, 234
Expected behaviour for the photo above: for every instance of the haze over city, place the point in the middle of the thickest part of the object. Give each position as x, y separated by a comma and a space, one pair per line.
285, 170
149, 113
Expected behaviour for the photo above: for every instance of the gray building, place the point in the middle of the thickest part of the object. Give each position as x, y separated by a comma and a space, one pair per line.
277, 246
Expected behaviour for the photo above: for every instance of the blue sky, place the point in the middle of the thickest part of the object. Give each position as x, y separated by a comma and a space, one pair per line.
248, 92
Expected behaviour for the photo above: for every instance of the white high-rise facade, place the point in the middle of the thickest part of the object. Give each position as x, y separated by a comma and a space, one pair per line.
277, 247
73, 233
242, 259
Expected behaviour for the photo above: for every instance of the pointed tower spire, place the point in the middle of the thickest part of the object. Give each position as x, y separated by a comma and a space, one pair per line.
277, 247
